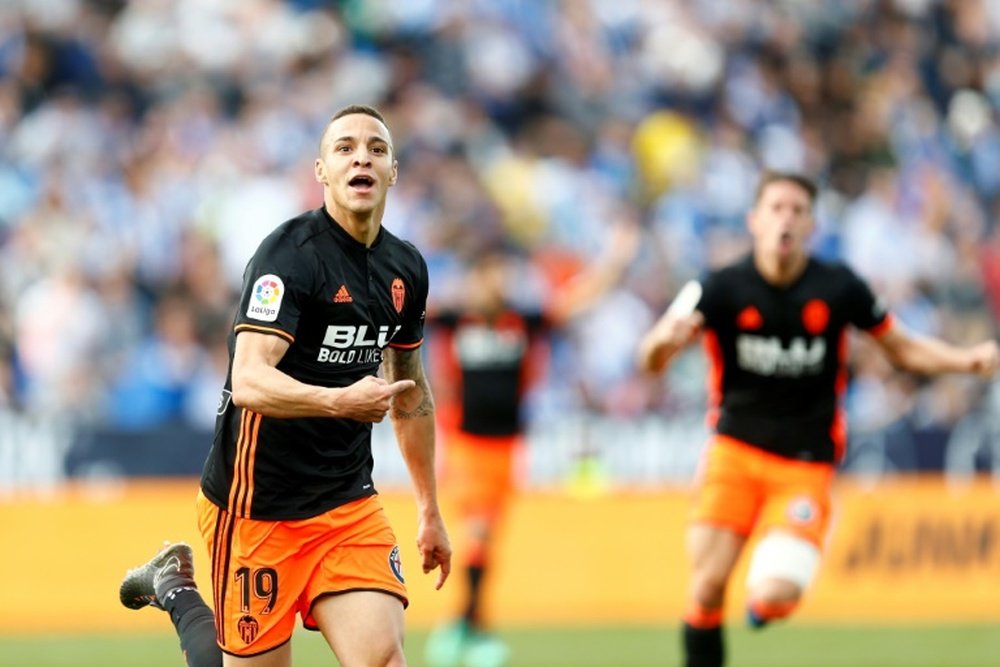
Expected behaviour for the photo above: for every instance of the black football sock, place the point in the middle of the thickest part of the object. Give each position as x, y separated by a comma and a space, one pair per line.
703, 647
195, 625
474, 574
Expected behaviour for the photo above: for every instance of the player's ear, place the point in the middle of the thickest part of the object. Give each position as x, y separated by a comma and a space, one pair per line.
392, 177
319, 169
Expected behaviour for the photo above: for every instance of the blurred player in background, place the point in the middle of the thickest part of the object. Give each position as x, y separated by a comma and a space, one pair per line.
775, 326
287, 503
486, 352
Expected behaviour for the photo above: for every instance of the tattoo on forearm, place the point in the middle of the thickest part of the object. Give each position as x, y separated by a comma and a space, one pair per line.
424, 408
405, 365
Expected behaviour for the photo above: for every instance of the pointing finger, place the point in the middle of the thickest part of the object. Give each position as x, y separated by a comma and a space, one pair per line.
443, 574
400, 386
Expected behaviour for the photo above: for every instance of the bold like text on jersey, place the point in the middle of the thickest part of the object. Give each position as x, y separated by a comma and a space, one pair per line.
349, 344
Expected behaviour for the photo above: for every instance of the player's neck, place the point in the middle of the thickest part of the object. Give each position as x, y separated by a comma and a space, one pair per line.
488, 309
779, 271
363, 227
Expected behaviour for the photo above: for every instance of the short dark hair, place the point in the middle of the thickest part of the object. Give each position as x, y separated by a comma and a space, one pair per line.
359, 108
349, 110
775, 176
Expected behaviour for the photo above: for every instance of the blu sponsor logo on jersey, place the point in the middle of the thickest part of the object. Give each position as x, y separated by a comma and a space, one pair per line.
349, 344
265, 298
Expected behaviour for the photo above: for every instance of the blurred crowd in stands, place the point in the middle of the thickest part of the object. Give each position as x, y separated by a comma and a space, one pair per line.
146, 147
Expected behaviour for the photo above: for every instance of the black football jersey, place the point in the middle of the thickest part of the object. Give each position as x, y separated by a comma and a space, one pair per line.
490, 360
339, 305
777, 355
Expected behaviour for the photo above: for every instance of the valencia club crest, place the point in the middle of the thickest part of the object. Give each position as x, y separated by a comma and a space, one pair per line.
398, 294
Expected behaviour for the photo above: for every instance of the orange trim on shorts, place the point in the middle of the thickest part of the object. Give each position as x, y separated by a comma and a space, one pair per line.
268, 330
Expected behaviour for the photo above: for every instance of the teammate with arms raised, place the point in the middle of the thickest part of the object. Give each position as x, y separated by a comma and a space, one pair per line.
775, 326
287, 505
487, 352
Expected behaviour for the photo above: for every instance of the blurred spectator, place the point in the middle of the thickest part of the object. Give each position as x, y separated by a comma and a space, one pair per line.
60, 325
153, 384
146, 147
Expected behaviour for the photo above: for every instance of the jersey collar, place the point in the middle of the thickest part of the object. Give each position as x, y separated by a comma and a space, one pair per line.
344, 236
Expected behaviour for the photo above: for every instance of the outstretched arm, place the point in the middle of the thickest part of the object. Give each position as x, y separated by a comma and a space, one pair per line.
675, 329
413, 421
587, 289
932, 356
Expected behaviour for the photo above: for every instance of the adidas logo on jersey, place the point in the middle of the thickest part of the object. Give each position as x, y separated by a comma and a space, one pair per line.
343, 296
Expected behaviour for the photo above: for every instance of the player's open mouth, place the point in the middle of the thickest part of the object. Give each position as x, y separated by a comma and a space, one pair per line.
362, 183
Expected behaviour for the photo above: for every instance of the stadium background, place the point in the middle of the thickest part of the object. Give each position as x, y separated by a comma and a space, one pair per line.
146, 147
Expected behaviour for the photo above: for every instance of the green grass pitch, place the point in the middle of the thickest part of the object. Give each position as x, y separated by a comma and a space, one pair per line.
790, 645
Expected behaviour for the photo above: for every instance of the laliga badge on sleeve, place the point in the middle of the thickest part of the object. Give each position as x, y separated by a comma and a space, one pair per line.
265, 298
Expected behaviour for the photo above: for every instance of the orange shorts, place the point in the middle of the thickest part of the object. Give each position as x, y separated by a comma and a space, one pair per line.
479, 472
742, 487
264, 572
